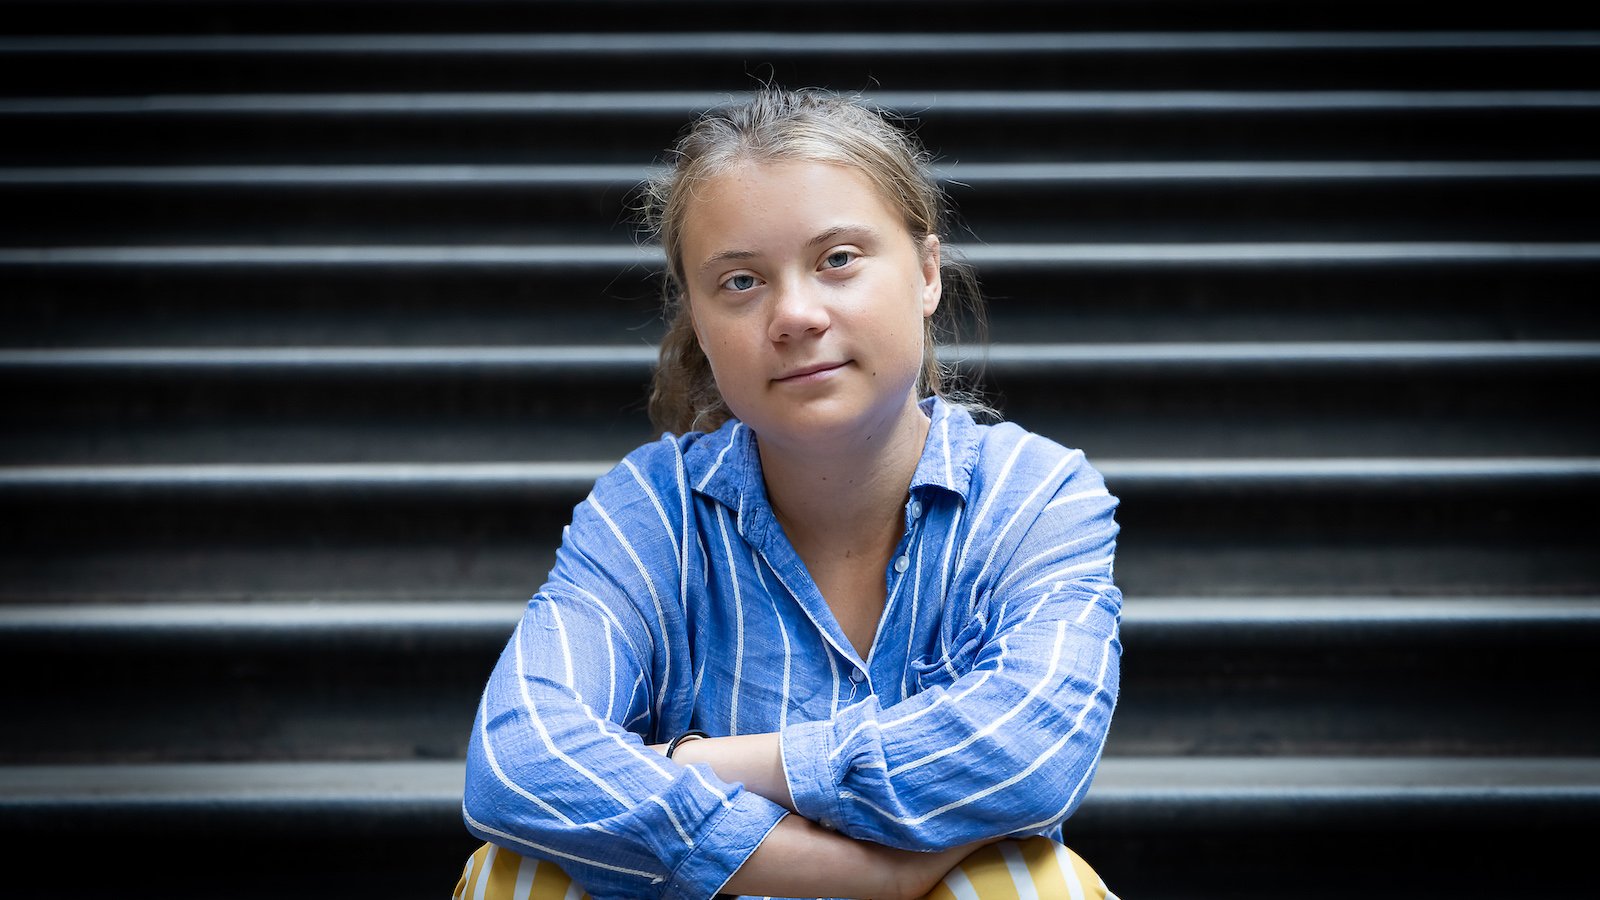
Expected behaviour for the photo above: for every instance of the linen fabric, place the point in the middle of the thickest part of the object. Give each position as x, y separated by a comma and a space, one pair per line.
676, 602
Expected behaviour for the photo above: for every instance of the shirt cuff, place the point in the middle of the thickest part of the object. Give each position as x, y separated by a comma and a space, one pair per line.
814, 776
723, 845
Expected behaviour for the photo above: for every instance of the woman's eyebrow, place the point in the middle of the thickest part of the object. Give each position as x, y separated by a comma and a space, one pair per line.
722, 256
829, 235
862, 233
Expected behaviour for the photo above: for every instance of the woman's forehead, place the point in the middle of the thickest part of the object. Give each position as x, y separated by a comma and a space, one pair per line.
789, 200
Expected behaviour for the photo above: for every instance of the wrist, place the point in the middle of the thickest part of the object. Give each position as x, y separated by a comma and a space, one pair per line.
890, 870
677, 743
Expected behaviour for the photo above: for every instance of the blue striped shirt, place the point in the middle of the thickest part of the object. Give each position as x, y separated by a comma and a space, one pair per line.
676, 602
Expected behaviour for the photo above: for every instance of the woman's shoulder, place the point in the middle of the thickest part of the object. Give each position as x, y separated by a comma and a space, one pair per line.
991, 460
1024, 481
676, 461
1010, 454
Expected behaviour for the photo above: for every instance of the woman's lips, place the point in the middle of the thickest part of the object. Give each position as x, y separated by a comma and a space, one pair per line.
810, 373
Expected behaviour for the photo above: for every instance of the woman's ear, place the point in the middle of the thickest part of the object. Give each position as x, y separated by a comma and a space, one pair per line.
932, 283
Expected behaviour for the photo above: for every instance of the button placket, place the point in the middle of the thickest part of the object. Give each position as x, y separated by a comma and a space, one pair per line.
903, 561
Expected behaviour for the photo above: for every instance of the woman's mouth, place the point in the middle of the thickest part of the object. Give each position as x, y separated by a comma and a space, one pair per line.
813, 372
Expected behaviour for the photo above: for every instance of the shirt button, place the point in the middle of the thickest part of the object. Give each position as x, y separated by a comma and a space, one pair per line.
857, 676
902, 563
916, 509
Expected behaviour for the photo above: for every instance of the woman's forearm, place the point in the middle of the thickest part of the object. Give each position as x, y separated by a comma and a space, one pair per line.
756, 760
800, 858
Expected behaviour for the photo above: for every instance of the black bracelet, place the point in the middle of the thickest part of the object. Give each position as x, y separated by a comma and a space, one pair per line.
687, 735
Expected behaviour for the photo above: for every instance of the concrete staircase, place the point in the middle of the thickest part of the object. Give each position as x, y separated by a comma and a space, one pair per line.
321, 316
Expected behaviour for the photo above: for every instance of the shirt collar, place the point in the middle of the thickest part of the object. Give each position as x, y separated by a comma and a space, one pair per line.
951, 451
725, 465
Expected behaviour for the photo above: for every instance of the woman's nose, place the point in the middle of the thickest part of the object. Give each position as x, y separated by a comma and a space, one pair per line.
798, 309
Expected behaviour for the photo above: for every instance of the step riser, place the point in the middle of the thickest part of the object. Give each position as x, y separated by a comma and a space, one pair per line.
347, 696
498, 541
485, 413
1385, 62
710, 16
1544, 209
288, 305
1250, 845
638, 138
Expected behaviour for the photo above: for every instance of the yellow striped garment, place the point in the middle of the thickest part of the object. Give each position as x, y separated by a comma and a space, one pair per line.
1035, 869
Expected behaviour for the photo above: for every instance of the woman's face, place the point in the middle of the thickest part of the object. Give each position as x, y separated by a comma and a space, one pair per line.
808, 297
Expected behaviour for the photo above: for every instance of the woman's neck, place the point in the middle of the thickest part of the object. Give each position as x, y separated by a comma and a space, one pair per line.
845, 494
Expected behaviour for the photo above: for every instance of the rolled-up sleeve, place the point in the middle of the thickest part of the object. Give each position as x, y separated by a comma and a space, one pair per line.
557, 764
1005, 736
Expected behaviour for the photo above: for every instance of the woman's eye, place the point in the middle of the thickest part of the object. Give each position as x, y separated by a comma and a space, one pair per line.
838, 259
741, 282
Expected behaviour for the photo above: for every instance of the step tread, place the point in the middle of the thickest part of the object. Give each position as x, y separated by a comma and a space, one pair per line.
685, 103
1254, 253
1442, 472
631, 359
973, 174
755, 42
1121, 781
163, 621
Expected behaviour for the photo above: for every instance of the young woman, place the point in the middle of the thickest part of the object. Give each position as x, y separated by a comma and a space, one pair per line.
827, 637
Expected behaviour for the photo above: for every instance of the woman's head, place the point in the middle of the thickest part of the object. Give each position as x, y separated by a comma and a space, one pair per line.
776, 127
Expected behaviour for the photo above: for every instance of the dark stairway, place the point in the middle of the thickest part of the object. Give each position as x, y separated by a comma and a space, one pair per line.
321, 316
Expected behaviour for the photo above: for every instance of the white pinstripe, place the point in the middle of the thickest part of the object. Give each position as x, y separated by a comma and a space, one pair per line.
676, 825
732, 442
738, 616
1044, 681
655, 598
783, 631
999, 540
992, 495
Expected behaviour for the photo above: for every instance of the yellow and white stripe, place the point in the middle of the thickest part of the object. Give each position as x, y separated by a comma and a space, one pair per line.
493, 873
1033, 869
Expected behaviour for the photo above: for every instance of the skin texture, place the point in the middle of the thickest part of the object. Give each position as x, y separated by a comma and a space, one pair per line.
808, 294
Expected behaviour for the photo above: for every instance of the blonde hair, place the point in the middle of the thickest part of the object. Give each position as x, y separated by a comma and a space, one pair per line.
775, 125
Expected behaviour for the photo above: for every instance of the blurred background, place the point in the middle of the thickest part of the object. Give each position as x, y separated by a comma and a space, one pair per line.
320, 316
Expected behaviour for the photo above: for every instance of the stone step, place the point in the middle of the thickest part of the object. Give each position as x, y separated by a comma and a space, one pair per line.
1257, 527
1134, 59
633, 127
216, 405
389, 295
997, 203
395, 827
99, 17
210, 681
